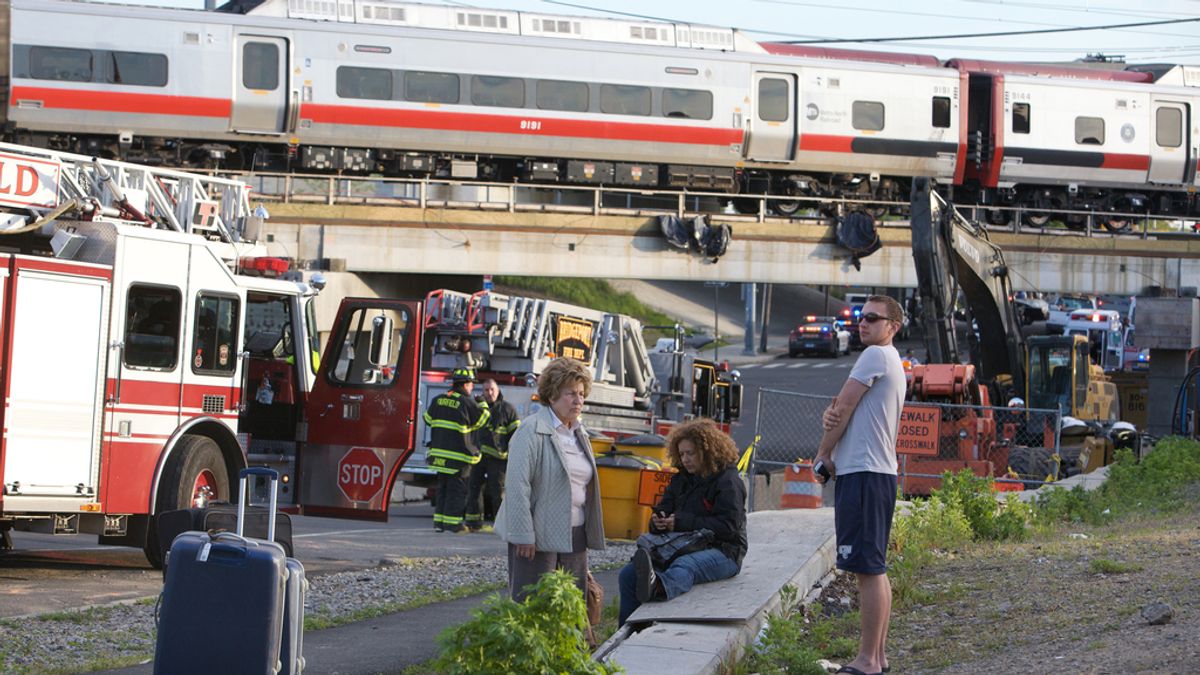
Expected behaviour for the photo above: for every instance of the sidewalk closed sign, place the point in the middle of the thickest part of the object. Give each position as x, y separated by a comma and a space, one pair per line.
918, 431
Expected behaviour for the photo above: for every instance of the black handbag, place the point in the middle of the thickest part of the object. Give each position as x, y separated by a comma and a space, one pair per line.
666, 547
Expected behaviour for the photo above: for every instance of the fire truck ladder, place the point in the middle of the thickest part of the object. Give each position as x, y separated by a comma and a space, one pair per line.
518, 334
216, 208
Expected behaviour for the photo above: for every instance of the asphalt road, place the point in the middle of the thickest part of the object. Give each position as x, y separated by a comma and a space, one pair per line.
50, 573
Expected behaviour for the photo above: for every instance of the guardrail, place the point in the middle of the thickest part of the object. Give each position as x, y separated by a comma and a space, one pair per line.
617, 201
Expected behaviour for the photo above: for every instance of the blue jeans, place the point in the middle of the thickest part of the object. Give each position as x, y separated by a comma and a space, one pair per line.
688, 570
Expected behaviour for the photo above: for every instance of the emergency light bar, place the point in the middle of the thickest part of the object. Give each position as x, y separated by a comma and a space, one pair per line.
264, 266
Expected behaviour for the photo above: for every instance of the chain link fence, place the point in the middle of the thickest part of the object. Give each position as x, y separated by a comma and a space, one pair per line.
1020, 447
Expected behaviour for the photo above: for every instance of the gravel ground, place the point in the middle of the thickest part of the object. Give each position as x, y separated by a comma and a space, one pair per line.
101, 637
1074, 602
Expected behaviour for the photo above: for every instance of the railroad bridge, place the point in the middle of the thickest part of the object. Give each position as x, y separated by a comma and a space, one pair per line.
424, 227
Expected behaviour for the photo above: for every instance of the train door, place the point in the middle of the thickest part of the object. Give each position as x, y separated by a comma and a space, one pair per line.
260, 100
773, 124
362, 411
1170, 146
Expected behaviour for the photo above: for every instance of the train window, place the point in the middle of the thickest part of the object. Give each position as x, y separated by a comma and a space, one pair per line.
152, 327
214, 335
867, 115
57, 63
1020, 124
430, 87
1089, 131
1168, 127
500, 92
941, 112
260, 66
559, 95
139, 68
370, 83
624, 99
691, 104
772, 100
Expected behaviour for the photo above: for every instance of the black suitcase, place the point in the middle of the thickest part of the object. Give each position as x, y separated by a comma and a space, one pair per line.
222, 517
230, 603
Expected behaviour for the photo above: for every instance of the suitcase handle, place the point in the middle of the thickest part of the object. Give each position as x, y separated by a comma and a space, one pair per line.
244, 477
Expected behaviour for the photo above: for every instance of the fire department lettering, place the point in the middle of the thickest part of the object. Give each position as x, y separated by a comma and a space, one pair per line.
28, 182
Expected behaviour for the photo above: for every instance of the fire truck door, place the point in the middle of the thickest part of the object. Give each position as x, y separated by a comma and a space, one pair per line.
361, 413
54, 377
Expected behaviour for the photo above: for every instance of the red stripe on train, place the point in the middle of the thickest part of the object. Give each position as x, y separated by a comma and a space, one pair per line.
530, 125
121, 102
1129, 162
825, 143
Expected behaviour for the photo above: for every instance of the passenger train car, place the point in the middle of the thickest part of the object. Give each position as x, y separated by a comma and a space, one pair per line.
410, 89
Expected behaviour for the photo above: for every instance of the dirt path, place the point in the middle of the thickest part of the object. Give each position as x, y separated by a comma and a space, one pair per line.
1060, 604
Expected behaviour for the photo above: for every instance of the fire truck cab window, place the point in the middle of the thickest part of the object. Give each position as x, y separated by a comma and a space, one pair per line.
152, 327
268, 326
214, 335
352, 359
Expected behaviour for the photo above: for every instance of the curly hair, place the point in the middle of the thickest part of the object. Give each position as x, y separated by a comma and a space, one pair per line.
561, 373
717, 450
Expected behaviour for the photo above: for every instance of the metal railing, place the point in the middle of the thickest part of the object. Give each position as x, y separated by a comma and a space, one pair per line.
618, 201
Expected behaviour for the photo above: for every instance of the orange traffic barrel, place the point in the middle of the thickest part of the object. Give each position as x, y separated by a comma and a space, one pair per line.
800, 487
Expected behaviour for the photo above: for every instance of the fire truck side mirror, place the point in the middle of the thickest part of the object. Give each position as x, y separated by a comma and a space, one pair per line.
381, 340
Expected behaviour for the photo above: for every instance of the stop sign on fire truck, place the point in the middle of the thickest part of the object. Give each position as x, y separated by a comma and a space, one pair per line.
360, 474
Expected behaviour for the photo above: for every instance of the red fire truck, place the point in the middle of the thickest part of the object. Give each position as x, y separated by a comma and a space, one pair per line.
147, 354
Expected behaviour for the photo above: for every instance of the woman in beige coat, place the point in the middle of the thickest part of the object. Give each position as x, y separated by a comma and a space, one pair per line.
551, 515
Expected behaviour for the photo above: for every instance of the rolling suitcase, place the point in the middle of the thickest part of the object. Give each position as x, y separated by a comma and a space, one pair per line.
223, 602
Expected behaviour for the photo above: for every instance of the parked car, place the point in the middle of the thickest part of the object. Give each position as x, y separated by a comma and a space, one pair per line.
819, 335
1031, 306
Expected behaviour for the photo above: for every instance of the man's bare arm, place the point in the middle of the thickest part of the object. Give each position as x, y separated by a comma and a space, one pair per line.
843, 407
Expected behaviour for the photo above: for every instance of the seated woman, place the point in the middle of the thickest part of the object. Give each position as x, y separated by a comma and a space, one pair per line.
706, 494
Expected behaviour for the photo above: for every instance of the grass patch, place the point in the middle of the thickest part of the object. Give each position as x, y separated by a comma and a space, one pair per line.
321, 621
1106, 566
592, 293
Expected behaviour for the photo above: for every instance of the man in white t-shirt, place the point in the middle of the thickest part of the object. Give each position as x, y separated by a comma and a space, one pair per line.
859, 449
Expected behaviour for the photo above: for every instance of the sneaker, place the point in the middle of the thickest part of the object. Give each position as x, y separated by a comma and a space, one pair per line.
438, 528
647, 580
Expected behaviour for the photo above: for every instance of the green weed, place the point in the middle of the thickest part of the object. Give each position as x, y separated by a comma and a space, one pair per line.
1106, 566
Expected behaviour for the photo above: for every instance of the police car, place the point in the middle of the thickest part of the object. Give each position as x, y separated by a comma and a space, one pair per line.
819, 335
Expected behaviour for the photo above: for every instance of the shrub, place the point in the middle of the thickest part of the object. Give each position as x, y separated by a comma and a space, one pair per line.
543, 635
989, 519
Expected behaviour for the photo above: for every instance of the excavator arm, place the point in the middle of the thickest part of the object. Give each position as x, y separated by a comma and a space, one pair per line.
953, 254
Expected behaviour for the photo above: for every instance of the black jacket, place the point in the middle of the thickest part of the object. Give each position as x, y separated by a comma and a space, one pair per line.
716, 502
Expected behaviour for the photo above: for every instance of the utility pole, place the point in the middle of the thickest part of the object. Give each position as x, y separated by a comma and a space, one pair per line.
766, 317
749, 298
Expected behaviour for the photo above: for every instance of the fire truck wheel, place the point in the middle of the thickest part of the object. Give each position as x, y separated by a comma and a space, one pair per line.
194, 476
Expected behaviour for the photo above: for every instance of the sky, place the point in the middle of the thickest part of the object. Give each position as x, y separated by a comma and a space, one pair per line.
784, 20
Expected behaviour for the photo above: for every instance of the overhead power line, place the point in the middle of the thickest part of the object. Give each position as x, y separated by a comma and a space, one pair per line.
959, 36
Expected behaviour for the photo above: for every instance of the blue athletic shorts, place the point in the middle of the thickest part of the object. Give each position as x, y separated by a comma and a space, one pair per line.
863, 504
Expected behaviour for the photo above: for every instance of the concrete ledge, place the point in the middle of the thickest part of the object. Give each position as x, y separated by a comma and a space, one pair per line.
707, 628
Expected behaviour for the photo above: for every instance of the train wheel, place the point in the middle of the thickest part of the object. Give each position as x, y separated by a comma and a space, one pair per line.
1036, 218
1117, 225
194, 476
785, 207
997, 217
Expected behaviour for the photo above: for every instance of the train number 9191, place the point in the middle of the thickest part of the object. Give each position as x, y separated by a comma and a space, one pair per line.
531, 125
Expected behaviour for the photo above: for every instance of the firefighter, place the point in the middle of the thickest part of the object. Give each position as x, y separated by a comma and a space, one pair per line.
487, 477
452, 418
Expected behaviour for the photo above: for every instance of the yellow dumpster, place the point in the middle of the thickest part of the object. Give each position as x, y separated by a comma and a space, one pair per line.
601, 444
646, 445
619, 476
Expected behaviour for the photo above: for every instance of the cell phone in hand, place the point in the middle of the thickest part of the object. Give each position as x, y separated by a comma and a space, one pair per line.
821, 470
